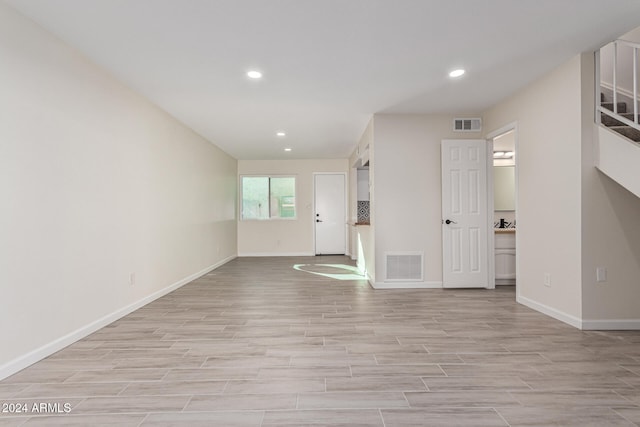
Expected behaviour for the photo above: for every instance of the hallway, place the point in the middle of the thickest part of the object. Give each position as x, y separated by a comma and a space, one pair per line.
259, 343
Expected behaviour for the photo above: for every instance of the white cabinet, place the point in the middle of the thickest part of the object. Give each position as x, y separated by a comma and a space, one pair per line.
505, 251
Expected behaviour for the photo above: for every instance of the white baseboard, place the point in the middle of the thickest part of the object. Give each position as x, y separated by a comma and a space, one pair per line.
551, 312
46, 350
405, 285
266, 254
611, 325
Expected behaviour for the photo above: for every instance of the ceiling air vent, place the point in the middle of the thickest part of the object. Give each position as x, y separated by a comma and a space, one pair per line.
405, 266
467, 125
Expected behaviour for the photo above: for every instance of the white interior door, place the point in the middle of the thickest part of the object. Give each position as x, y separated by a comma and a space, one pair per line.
330, 213
464, 214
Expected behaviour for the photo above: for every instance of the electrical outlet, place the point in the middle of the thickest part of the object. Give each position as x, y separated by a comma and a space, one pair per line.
132, 279
601, 274
547, 280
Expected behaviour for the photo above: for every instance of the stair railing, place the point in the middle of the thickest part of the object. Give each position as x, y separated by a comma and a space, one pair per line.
614, 113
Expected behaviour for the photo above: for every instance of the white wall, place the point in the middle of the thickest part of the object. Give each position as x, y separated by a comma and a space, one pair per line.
548, 116
96, 183
363, 185
407, 192
285, 236
571, 218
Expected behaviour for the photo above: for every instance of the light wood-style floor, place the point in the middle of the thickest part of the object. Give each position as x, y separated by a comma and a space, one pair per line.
258, 343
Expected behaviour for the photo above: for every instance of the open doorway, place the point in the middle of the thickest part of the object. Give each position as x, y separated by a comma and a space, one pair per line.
504, 161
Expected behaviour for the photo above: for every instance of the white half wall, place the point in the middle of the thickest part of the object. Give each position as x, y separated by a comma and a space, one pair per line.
285, 237
617, 157
107, 200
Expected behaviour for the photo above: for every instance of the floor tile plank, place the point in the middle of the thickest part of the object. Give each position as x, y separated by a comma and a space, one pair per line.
256, 343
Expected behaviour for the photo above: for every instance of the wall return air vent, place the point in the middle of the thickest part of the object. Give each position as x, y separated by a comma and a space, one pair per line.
467, 125
406, 266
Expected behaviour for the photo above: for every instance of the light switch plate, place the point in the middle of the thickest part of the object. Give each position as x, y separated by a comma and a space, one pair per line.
601, 274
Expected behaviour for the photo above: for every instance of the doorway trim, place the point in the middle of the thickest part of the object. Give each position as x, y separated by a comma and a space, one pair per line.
346, 209
513, 126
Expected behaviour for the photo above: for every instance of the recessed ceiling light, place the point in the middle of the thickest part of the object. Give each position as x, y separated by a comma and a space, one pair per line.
254, 74
281, 134
456, 73
287, 149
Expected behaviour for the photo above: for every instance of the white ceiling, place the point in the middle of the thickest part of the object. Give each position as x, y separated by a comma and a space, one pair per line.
328, 64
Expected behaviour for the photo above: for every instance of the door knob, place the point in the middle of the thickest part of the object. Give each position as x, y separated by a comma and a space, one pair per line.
450, 222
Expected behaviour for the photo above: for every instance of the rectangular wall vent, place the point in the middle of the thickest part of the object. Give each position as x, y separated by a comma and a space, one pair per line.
405, 266
467, 125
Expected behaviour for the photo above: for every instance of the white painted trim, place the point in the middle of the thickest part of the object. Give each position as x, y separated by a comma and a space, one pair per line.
597, 82
405, 285
503, 129
611, 325
267, 254
46, 350
550, 311
516, 138
491, 238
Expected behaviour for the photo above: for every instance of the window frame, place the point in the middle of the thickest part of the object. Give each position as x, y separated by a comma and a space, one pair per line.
269, 177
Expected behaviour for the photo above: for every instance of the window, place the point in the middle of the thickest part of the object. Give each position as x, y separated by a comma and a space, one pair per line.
268, 197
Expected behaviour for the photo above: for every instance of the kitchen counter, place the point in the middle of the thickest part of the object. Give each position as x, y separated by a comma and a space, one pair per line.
504, 230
